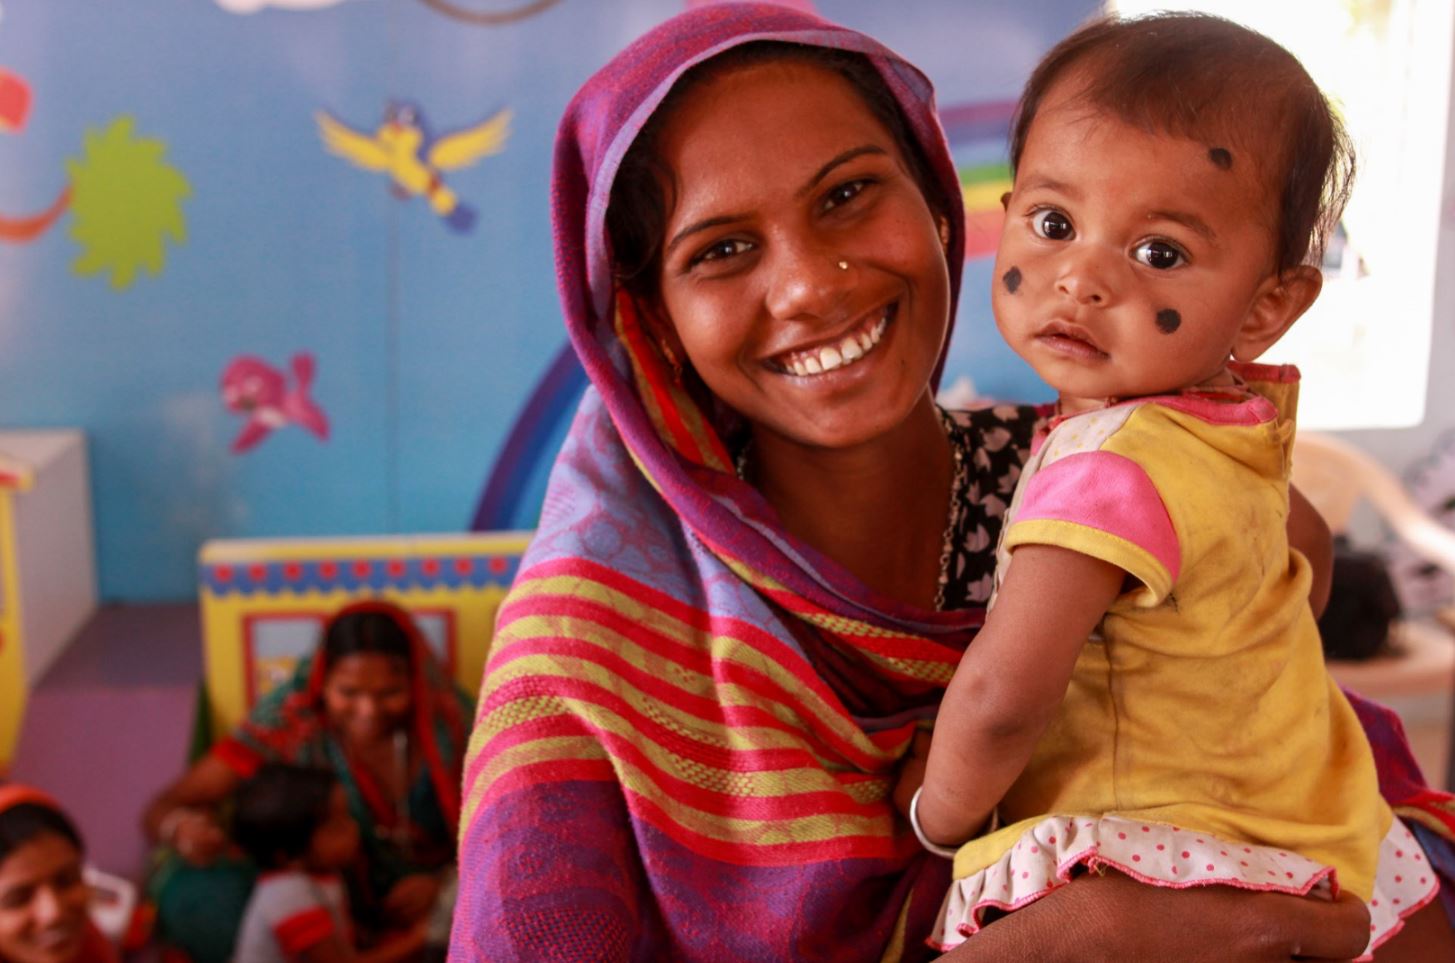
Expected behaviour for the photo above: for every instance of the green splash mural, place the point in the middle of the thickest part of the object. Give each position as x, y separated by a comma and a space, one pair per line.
126, 200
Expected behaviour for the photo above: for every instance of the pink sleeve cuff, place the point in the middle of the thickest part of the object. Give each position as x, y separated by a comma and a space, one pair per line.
1106, 493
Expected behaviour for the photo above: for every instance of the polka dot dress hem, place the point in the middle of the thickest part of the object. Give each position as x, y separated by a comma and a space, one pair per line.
1049, 853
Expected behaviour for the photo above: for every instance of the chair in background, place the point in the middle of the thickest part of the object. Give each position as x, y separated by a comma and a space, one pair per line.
1336, 476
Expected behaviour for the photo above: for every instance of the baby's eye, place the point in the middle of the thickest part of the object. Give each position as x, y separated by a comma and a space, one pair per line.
1159, 254
721, 250
844, 193
1052, 225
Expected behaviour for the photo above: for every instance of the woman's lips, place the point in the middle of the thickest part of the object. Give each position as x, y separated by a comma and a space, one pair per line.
839, 352
62, 938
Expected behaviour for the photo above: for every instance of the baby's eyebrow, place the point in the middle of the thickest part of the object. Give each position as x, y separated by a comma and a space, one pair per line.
1187, 220
1041, 182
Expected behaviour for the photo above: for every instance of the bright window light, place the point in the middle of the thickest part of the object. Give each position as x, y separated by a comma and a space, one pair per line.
1364, 348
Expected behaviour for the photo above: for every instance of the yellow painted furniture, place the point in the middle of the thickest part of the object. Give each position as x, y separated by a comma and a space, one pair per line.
47, 562
263, 602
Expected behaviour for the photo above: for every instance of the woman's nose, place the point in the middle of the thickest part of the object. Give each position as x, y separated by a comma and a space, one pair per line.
1085, 278
809, 281
46, 906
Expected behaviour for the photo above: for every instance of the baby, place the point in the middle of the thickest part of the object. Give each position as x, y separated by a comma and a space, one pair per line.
1149, 693
294, 822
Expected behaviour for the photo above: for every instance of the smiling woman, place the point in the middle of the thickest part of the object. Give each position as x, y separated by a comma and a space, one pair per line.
43, 895
374, 708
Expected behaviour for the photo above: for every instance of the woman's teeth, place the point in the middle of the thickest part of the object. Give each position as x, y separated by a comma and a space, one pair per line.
846, 351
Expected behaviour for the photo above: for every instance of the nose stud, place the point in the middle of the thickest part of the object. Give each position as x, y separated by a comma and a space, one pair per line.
843, 265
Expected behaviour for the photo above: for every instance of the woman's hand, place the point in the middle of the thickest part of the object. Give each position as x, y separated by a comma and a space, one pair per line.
911, 772
194, 834
182, 816
1112, 917
411, 899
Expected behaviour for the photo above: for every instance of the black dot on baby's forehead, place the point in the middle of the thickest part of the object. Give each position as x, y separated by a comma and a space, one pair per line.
1168, 320
1221, 157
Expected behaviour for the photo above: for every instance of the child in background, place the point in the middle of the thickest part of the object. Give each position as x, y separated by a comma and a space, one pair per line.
294, 822
1149, 694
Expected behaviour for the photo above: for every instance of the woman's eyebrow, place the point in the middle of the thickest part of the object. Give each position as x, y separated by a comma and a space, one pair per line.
702, 225
839, 159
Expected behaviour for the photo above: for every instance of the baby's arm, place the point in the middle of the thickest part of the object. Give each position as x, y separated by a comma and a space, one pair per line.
1010, 684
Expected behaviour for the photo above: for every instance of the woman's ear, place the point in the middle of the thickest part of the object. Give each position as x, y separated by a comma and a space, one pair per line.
944, 225
1280, 301
662, 333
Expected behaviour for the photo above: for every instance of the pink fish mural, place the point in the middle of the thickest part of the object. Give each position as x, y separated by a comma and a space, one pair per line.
258, 391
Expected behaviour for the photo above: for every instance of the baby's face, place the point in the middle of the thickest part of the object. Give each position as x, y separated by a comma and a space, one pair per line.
1129, 261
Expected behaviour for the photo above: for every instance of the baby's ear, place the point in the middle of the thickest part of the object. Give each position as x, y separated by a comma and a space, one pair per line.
1281, 300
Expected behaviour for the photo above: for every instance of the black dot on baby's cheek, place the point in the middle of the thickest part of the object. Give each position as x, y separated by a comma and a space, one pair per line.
1011, 279
1168, 320
1222, 157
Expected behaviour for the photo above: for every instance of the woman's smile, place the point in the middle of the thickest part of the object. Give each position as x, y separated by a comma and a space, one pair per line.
840, 351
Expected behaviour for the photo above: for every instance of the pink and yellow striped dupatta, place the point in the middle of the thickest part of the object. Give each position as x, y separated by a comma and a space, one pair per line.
690, 722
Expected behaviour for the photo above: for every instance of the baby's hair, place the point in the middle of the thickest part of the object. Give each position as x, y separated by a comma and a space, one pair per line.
1209, 79
277, 811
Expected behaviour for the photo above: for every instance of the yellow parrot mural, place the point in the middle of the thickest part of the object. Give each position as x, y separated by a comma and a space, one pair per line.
404, 149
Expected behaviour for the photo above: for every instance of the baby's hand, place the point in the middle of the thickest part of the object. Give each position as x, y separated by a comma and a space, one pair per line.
911, 772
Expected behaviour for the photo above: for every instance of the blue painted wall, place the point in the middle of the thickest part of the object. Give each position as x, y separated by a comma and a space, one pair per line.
427, 341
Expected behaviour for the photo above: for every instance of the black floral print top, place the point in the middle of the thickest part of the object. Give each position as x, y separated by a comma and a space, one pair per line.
994, 443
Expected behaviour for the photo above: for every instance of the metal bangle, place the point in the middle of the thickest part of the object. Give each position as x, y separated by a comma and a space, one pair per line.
946, 851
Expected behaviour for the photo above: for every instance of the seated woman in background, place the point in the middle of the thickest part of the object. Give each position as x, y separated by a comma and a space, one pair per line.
373, 707
44, 899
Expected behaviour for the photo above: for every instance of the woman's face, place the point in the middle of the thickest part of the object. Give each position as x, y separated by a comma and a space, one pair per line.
43, 900
803, 271
367, 696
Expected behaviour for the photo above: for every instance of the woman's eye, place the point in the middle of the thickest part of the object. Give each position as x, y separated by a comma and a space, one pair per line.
1159, 255
719, 250
1052, 225
17, 898
843, 194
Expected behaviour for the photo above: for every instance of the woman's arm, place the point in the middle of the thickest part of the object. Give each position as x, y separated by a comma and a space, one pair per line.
182, 815
552, 858
1010, 684
1115, 917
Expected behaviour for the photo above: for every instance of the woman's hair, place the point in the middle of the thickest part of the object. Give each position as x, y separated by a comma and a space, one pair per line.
277, 811
636, 218
24, 822
1202, 77
366, 631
